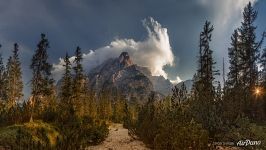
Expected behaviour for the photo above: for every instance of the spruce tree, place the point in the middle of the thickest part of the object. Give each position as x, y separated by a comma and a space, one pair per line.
78, 69
78, 83
66, 88
263, 66
14, 78
219, 92
249, 58
233, 54
263, 78
206, 70
2, 79
249, 48
205, 106
42, 82
179, 95
233, 104
67, 108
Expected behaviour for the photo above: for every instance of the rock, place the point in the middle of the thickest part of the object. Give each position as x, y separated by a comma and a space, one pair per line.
120, 75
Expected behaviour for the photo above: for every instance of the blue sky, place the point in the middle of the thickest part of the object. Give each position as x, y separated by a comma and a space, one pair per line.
95, 24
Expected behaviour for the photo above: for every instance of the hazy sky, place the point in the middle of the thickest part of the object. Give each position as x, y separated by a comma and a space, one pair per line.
157, 33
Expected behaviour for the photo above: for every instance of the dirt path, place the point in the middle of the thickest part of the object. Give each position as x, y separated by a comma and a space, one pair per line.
118, 139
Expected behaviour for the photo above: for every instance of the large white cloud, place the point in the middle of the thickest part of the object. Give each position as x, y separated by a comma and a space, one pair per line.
154, 52
229, 10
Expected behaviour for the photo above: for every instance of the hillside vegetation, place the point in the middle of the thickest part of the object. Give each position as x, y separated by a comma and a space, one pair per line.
76, 113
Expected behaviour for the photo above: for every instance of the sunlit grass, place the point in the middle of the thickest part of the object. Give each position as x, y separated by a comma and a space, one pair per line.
38, 130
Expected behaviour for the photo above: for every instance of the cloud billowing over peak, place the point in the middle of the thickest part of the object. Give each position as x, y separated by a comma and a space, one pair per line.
154, 52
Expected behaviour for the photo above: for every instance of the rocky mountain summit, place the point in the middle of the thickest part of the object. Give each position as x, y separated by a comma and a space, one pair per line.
121, 74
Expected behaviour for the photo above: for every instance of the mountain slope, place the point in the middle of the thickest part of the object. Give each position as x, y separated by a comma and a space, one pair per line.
160, 84
188, 84
120, 74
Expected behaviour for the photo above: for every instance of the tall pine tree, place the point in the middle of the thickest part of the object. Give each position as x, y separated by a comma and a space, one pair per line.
263, 66
66, 88
206, 71
205, 106
234, 53
233, 105
78, 83
249, 49
14, 78
2, 79
42, 82
248, 60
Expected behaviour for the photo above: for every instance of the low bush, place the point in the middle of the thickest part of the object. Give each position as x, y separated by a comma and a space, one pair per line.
30, 135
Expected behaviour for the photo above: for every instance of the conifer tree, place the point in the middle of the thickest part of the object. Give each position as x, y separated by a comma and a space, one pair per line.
66, 88
78, 83
203, 82
105, 106
205, 106
14, 78
233, 54
263, 78
219, 92
234, 105
66, 103
2, 79
263, 66
206, 70
42, 82
249, 58
179, 95
249, 48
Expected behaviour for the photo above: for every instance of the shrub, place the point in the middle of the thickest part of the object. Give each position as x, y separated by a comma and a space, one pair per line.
30, 135
81, 133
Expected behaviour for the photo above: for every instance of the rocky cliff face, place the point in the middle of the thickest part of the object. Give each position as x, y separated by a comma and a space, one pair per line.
120, 74
160, 84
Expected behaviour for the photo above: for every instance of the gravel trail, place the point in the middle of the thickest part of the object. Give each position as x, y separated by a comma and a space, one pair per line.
118, 139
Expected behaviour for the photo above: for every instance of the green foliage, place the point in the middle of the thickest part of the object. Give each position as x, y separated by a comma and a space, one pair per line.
188, 135
179, 95
30, 136
42, 83
243, 129
206, 104
66, 87
234, 54
263, 66
2, 79
79, 84
249, 48
80, 133
105, 106
14, 84
119, 112
162, 127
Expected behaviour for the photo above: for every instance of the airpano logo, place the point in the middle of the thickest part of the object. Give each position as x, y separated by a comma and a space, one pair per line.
248, 143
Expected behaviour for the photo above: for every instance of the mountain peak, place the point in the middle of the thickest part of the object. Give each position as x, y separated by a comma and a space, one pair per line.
125, 60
